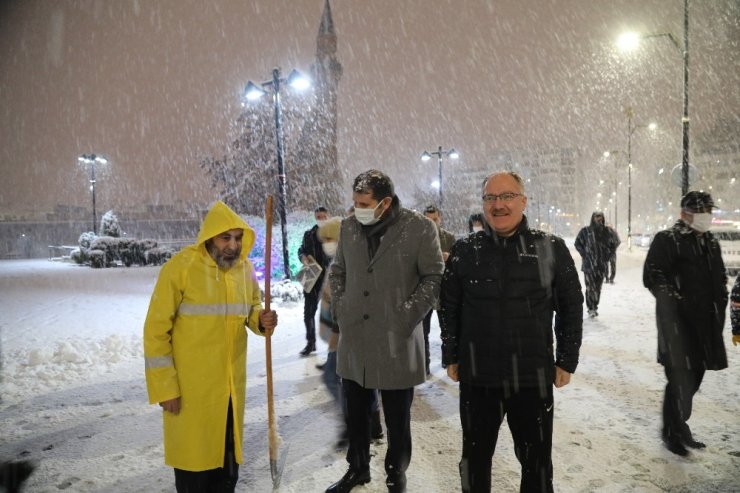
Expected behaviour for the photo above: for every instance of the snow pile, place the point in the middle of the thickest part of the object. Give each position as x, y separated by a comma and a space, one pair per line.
287, 290
33, 371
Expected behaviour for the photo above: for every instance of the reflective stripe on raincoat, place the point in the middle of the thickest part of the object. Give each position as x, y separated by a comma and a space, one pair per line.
195, 345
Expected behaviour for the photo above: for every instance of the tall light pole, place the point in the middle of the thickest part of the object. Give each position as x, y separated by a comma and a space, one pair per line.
631, 130
630, 41
253, 92
92, 159
607, 154
451, 153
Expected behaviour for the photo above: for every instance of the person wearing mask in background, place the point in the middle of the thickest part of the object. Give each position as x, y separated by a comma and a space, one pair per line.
384, 279
500, 290
195, 351
685, 272
595, 244
311, 248
446, 240
475, 223
612, 266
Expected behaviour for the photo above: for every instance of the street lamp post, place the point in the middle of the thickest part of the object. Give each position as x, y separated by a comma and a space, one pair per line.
426, 156
607, 154
92, 159
630, 41
255, 91
631, 130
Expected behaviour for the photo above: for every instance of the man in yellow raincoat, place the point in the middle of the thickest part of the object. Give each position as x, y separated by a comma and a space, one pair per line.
195, 346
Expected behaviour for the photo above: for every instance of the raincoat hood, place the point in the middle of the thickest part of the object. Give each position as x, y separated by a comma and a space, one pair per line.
221, 218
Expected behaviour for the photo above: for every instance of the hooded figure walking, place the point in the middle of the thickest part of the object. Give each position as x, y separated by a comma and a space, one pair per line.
195, 351
595, 243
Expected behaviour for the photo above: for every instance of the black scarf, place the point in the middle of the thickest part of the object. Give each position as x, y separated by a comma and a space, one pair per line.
375, 232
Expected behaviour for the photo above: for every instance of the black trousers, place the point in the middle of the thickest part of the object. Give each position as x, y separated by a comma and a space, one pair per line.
427, 326
612, 269
310, 305
594, 281
529, 414
678, 400
219, 480
397, 411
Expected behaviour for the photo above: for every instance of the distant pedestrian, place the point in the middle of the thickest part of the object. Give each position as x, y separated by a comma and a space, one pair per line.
685, 272
195, 350
311, 249
446, 240
384, 279
735, 312
595, 244
612, 267
504, 290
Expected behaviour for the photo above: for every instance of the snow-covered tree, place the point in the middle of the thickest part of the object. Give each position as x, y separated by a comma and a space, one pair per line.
109, 225
248, 172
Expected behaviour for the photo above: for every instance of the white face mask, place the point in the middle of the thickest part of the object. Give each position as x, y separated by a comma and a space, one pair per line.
367, 216
701, 221
329, 247
321, 222
476, 229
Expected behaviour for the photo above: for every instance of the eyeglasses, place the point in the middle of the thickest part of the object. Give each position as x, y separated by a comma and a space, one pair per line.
506, 196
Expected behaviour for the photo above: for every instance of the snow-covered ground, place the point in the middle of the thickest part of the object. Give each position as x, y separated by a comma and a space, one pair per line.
74, 398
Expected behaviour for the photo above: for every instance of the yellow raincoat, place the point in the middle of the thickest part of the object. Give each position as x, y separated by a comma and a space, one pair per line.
195, 345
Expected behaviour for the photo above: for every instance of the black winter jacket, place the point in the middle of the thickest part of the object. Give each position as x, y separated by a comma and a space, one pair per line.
498, 296
685, 273
596, 244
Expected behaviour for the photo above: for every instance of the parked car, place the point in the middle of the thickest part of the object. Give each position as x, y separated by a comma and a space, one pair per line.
642, 239
729, 243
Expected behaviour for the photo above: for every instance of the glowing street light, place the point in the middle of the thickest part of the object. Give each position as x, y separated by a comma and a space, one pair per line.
630, 41
253, 92
426, 156
92, 159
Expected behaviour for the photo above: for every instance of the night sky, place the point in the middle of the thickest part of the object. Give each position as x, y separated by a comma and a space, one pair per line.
155, 85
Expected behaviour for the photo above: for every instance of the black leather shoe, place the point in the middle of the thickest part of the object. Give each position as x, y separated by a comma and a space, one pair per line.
310, 348
351, 479
691, 443
396, 483
674, 445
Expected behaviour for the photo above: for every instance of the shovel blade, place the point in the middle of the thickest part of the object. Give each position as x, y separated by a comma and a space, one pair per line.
276, 468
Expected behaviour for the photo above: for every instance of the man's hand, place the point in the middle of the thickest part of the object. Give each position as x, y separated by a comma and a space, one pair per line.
562, 377
445, 256
268, 321
172, 405
736, 340
452, 372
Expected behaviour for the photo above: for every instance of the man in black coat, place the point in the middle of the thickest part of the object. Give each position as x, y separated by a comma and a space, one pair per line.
684, 271
595, 243
311, 247
499, 290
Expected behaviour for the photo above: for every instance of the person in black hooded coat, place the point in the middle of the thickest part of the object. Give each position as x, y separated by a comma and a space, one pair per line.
595, 243
685, 272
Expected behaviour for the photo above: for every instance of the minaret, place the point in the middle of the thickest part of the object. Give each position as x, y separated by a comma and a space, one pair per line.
327, 70
316, 157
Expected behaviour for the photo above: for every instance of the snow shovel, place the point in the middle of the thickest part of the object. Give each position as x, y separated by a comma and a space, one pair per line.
276, 470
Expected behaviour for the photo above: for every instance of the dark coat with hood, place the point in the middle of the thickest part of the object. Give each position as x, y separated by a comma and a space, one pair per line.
685, 273
498, 297
596, 244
